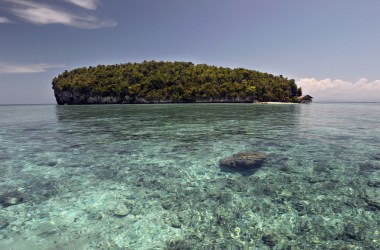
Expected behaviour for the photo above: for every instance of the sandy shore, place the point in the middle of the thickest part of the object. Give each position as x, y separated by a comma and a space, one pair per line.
275, 103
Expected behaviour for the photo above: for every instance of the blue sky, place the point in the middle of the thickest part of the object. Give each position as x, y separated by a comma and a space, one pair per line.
331, 48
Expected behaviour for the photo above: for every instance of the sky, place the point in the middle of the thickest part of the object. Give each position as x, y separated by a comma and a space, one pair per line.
331, 48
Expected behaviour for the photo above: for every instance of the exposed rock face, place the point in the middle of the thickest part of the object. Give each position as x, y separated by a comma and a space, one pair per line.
74, 97
244, 161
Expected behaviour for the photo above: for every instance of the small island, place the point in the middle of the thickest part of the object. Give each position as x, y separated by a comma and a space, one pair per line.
171, 82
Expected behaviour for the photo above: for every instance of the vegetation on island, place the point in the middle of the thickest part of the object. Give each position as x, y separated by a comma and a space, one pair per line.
153, 82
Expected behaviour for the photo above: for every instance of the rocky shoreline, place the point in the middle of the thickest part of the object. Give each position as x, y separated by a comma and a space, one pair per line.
76, 98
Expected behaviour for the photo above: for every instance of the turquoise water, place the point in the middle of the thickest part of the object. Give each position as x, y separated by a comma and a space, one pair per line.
148, 177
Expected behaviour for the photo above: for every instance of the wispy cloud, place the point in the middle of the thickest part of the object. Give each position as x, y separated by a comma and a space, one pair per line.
87, 4
6, 68
42, 14
328, 90
4, 20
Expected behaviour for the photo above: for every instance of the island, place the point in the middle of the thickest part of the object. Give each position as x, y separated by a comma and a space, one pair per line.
170, 82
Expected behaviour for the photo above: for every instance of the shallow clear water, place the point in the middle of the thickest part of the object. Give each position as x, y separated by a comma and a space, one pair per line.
148, 177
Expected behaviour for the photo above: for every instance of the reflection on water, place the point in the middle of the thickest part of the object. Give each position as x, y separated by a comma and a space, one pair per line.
148, 176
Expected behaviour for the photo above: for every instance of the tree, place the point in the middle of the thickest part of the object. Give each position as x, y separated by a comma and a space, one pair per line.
175, 81
299, 91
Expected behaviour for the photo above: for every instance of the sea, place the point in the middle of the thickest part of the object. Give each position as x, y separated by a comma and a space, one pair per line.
149, 176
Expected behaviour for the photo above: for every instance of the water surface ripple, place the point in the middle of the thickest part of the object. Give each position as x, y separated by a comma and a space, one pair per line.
148, 177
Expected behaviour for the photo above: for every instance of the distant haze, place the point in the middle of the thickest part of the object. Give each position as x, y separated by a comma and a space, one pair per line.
328, 90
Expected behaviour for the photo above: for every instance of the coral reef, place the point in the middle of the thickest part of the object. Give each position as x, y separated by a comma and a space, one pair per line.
244, 160
149, 177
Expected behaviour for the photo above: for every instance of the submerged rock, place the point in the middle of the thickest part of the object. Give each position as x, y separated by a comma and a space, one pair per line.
269, 240
12, 198
376, 157
3, 224
373, 183
244, 161
353, 231
369, 167
122, 211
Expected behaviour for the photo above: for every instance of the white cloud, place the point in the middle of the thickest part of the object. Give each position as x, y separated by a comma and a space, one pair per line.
6, 68
4, 20
87, 4
42, 14
328, 90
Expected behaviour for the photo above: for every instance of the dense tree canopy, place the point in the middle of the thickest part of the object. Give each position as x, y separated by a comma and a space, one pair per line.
152, 81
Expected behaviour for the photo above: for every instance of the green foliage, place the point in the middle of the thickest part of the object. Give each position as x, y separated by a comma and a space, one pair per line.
175, 82
299, 91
